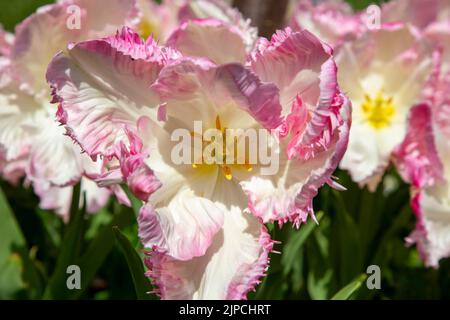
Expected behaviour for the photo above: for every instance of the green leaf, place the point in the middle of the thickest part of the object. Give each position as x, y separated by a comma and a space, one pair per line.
349, 290
13, 12
9, 229
293, 245
70, 249
136, 204
98, 249
345, 246
12, 245
141, 283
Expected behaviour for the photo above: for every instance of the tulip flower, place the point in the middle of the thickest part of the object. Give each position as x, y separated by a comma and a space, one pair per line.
386, 71
122, 98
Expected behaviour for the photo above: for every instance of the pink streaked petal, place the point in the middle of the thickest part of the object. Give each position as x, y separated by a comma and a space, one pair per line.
432, 210
288, 196
420, 13
53, 197
12, 171
220, 10
6, 40
44, 33
191, 84
332, 21
317, 134
101, 90
54, 157
184, 229
260, 100
417, 157
19, 116
213, 39
59, 198
232, 266
96, 197
292, 61
143, 182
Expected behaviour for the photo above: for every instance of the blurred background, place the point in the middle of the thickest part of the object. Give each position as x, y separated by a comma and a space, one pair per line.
357, 229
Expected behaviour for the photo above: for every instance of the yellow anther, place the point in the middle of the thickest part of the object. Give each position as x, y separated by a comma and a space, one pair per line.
218, 124
378, 110
227, 172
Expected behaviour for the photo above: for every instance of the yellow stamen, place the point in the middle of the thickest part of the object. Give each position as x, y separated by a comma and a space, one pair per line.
218, 124
378, 110
227, 172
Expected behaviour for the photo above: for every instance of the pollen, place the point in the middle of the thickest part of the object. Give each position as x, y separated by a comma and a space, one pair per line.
225, 168
378, 110
146, 28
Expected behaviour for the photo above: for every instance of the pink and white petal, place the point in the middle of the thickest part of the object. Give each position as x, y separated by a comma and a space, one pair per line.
323, 120
20, 115
219, 10
185, 228
54, 157
46, 32
98, 22
53, 197
287, 196
213, 39
38, 38
96, 197
332, 21
13, 171
293, 62
6, 41
419, 13
432, 233
101, 90
417, 158
205, 90
363, 159
231, 267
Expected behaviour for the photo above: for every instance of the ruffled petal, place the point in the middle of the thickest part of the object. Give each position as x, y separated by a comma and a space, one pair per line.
185, 228
288, 195
212, 39
293, 62
432, 233
46, 32
102, 86
231, 267
332, 21
205, 89
54, 157
59, 199
417, 157
219, 10
20, 115
417, 12
6, 40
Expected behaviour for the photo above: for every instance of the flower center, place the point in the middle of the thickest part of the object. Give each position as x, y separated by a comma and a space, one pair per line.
378, 110
221, 155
